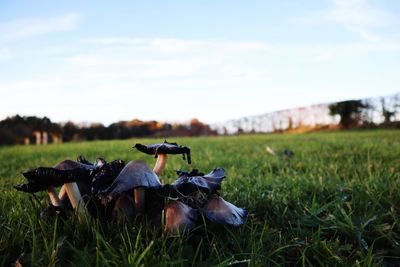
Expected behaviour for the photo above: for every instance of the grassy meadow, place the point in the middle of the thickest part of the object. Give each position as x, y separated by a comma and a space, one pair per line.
336, 202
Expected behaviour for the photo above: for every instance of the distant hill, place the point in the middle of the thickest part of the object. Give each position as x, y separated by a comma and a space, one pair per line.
375, 111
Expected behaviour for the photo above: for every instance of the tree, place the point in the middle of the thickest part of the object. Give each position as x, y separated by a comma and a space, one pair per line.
386, 113
349, 112
69, 131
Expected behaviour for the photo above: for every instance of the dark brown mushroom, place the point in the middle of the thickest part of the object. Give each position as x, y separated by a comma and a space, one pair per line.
43, 178
124, 206
220, 211
71, 165
56, 200
189, 182
179, 217
74, 190
104, 176
135, 175
161, 150
81, 162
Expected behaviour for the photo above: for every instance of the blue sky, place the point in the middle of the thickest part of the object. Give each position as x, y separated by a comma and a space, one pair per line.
102, 61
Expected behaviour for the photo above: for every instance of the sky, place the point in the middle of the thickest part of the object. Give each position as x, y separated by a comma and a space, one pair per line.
215, 60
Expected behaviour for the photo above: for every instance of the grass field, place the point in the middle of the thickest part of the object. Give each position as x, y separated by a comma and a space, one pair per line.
335, 203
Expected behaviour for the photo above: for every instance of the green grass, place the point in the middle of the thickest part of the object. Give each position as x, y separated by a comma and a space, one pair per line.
335, 203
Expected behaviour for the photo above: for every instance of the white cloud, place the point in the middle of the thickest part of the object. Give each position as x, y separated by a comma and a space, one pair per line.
359, 17
174, 45
155, 58
24, 28
348, 52
133, 80
108, 79
171, 56
5, 54
357, 13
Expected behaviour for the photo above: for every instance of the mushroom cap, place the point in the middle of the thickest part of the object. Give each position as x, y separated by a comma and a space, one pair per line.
164, 148
105, 175
218, 174
220, 211
41, 178
81, 163
71, 165
124, 206
135, 174
179, 217
100, 162
83, 160
189, 182
215, 175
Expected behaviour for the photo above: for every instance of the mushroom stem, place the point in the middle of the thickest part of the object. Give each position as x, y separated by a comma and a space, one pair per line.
140, 195
76, 200
160, 163
62, 195
54, 199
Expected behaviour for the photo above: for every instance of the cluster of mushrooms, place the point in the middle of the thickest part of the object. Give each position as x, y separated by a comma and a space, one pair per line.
109, 190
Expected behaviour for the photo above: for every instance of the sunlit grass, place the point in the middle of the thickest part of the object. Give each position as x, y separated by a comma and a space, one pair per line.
336, 202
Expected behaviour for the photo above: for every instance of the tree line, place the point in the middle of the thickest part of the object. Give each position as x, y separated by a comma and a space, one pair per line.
367, 113
377, 112
357, 114
23, 129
